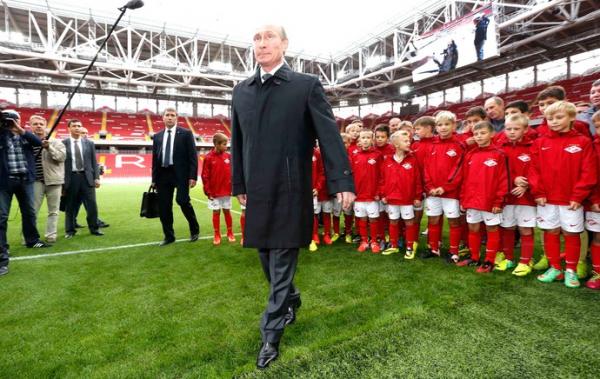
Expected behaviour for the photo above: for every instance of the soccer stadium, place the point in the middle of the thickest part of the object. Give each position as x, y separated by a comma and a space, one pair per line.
481, 259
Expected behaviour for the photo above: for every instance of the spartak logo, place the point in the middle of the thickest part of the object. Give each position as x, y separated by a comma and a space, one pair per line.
226, 161
314, 158
573, 149
451, 153
490, 163
407, 166
371, 161
524, 158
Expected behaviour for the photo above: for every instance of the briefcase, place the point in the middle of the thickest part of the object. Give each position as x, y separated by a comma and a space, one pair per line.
149, 204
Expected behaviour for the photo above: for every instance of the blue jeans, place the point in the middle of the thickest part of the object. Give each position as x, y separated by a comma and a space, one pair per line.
23, 190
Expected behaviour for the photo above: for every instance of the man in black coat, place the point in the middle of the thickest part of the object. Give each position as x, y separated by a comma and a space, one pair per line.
174, 165
81, 179
277, 115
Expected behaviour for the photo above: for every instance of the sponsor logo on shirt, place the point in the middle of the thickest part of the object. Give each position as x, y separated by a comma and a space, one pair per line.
490, 163
573, 149
524, 158
371, 161
407, 166
451, 153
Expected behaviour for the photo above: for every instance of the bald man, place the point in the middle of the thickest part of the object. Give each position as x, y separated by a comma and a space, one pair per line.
494, 108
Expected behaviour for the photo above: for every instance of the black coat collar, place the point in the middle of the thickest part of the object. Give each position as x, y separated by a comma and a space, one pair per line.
283, 73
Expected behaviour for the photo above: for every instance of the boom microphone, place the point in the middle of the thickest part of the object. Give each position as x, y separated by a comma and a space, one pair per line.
133, 4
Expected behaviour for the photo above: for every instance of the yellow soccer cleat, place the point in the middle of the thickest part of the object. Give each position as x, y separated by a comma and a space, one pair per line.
313, 247
335, 237
522, 270
542, 264
499, 257
348, 238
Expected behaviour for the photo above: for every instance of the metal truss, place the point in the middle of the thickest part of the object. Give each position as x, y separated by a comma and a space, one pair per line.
49, 48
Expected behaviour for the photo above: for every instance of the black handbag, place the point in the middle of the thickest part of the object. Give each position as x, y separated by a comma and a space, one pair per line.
149, 204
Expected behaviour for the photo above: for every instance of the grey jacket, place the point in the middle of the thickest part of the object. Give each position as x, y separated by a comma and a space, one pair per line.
53, 162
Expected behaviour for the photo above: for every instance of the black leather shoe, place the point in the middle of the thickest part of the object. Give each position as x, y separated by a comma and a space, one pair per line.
268, 353
69, 236
97, 233
290, 317
103, 225
194, 237
166, 242
3, 270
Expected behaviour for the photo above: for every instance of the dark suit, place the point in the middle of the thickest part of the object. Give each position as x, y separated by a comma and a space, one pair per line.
274, 127
176, 176
81, 186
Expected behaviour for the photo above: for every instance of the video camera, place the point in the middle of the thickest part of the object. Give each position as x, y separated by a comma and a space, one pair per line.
8, 117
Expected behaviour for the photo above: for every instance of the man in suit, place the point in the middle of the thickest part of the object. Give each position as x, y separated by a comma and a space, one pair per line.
174, 166
81, 179
277, 116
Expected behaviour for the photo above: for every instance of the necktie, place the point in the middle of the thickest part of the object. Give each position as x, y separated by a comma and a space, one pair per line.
167, 154
266, 77
78, 159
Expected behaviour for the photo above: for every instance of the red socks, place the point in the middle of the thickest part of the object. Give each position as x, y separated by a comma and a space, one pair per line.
336, 224
228, 222
394, 234
572, 251
455, 233
243, 223
217, 223
527, 244
327, 224
348, 221
508, 243
493, 243
474, 244
315, 226
383, 223
434, 236
596, 258
412, 234
374, 226
552, 249
362, 229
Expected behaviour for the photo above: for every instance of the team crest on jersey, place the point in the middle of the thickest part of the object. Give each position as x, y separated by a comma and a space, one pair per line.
490, 163
407, 166
371, 161
524, 158
573, 149
314, 158
451, 153
226, 161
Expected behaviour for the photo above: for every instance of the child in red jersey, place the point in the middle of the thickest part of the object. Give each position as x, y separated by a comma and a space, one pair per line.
592, 215
472, 117
562, 175
520, 206
550, 96
424, 127
353, 130
216, 179
484, 188
401, 189
337, 207
366, 168
382, 144
442, 184
320, 197
517, 107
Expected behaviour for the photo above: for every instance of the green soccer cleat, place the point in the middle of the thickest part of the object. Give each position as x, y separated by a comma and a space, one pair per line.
409, 253
335, 237
571, 279
522, 270
390, 251
542, 264
582, 270
505, 264
348, 238
313, 246
551, 275
499, 257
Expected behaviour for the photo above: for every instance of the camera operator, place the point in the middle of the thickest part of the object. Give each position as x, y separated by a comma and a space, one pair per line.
17, 174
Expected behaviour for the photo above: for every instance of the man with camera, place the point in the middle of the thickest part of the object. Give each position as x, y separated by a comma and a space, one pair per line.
17, 174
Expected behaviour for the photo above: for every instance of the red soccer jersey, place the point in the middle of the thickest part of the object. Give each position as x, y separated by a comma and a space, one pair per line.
216, 174
386, 150
420, 149
318, 176
500, 138
519, 160
400, 182
595, 195
563, 168
441, 166
485, 179
366, 169
582, 127
463, 137
353, 149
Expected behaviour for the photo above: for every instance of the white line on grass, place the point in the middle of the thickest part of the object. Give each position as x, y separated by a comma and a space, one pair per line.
206, 202
98, 250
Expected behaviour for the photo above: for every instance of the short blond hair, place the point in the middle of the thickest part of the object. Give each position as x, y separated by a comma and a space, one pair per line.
219, 138
353, 126
561, 106
366, 130
445, 116
519, 119
398, 134
37, 117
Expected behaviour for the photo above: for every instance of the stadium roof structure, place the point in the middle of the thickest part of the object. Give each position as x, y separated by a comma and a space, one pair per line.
49, 48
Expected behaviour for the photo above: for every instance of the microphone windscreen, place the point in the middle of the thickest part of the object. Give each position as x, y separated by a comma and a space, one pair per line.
134, 4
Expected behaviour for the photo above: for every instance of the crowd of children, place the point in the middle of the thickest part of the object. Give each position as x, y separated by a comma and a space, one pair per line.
493, 188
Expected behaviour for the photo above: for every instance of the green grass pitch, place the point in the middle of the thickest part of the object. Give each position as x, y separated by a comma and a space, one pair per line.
192, 311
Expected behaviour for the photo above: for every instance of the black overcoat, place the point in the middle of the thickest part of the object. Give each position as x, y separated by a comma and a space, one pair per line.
274, 126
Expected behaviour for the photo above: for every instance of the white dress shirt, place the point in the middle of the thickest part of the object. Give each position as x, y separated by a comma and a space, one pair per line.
80, 141
272, 72
164, 144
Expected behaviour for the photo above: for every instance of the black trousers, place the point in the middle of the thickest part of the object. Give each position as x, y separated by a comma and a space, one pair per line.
166, 184
279, 266
80, 190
